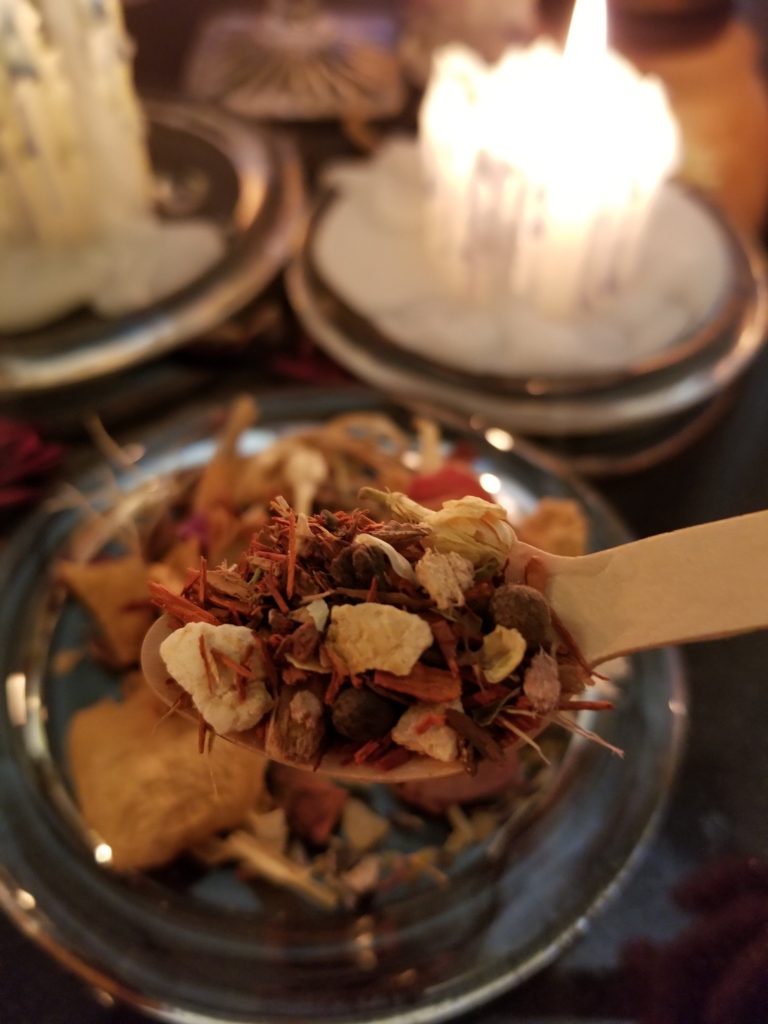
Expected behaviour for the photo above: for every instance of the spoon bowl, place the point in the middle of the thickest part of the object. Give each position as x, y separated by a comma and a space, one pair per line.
258, 740
700, 583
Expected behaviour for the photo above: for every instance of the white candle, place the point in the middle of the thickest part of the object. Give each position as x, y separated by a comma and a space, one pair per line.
73, 158
541, 171
95, 55
42, 184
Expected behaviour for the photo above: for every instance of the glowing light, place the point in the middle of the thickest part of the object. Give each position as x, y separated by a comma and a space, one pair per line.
490, 483
500, 439
16, 697
25, 900
102, 854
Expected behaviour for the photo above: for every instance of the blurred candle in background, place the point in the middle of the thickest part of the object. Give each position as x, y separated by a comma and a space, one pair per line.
542, 170
96, 59
73, 158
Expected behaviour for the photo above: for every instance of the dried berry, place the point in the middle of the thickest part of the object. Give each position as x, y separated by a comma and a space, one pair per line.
356, 566
517, 606
361, 715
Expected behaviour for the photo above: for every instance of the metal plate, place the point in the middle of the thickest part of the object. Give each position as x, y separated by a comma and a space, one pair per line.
243, 179
223, 954
689, 373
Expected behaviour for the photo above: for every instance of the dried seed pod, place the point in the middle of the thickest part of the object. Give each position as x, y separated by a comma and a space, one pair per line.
297, 730
303, 643
362, 715
367, 563
541, 684
517, 606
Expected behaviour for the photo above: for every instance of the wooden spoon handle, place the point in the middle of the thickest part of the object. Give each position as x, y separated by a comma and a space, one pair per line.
696, 584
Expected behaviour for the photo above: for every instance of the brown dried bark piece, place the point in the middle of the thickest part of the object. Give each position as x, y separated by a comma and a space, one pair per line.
480, 738
303, 644
432, 685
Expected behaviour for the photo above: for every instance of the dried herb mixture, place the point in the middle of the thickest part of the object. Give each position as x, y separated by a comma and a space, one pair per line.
380, 634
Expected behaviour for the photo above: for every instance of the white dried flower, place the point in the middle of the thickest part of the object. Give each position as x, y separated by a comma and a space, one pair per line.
473, 527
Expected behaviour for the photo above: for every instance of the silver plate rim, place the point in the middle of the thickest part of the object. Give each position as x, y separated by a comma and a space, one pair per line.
221, 292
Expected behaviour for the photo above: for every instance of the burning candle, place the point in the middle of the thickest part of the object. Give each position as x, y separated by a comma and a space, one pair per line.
542, 170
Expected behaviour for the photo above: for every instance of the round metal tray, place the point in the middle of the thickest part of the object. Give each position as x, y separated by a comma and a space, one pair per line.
690, 371
243, 179
220, 953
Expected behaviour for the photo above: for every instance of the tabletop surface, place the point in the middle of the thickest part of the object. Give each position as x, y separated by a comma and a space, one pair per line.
720, 802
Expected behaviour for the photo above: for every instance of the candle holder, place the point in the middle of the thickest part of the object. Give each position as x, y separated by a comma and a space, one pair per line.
245, 181
608, 411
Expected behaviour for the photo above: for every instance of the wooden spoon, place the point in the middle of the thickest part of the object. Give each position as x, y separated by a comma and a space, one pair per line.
701, 583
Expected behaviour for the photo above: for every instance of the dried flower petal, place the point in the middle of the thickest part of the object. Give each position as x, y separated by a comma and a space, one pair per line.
445, 577
477, 529
399, 562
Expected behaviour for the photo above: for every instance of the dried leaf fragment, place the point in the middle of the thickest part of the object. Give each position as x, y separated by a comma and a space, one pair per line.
143, 787
115, 592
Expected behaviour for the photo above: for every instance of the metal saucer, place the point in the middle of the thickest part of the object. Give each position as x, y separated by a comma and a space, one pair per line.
215, 950
211, 166
691, 372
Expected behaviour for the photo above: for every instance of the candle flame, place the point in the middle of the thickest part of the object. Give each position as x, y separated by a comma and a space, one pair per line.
588, 31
